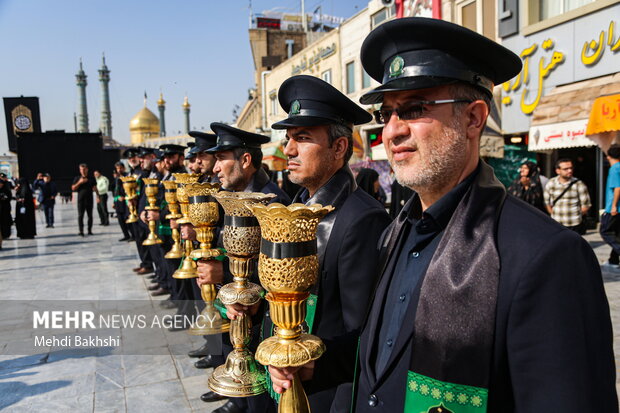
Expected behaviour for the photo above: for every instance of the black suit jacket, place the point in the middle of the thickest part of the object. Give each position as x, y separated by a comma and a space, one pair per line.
553, 336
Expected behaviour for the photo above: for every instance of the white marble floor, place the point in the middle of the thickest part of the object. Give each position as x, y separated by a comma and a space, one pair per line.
60, 265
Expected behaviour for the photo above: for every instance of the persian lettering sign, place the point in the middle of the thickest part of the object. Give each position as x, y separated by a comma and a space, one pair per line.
580, 49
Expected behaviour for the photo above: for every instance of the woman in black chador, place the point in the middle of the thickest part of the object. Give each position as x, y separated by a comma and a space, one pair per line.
5, 209
24, 210
527, 186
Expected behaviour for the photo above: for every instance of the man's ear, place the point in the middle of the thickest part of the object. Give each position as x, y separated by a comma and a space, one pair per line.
477, 113
340, 146
246, 160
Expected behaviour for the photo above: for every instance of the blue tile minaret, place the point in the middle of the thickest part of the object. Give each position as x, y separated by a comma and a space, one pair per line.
161, 105
106, 113
186, 106
82, 112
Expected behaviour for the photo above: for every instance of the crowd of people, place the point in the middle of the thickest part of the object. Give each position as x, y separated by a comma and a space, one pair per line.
437, 309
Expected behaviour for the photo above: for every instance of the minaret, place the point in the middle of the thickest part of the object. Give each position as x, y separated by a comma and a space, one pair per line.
82, 111
106, 114
161, 105
186, 106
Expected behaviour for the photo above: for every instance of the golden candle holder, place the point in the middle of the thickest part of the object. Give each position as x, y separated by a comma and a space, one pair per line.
240, 376
188, 267
288, 267
130, 186
151, 189
203, 214
170, 195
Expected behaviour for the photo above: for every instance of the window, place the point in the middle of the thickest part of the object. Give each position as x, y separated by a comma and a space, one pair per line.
351, 77
552, 8
327, 76
383, 15
365, 79
477, 15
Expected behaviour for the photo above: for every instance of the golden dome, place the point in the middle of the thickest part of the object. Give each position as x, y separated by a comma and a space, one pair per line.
161, 101
186, 103
145, 121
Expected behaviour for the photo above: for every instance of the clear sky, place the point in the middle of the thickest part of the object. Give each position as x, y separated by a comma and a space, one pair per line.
198, 47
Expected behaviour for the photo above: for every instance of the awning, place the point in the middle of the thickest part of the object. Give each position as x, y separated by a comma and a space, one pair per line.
562, 116
605, 115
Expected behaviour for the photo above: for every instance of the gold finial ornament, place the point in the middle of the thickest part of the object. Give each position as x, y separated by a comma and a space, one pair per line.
130, 186
188, 267
288, 267
170, 195
240, 376
151, 188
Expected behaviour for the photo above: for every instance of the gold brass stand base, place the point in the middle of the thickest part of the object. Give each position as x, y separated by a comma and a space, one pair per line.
239, 377
175, 252
152, 240
131, 220
279, 352
249, 295
187, 270
209, 322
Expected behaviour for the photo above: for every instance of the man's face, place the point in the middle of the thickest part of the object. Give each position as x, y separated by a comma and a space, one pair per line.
120, 169
83, 170
310, 156
146, 162
565, 170
97, 174
191, 165
228, 170
205, 162
425, 153
173, 161
161, 166
46, 179
133, 161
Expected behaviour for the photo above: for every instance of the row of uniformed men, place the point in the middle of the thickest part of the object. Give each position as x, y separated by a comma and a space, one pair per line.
440, 312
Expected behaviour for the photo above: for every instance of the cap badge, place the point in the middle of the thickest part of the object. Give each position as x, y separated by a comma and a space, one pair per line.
396, 67
295, 107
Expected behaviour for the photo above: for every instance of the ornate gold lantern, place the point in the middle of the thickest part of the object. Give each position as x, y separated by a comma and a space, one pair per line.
240, 376
288, 267
130, 186
188, 267
203, 214
170, 194
151, 188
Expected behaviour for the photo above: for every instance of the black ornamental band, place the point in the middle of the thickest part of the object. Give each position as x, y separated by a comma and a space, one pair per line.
233, 221
281, 250
197, 199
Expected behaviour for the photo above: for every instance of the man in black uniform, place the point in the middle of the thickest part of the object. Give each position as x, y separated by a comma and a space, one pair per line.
319, 130
141, 230
461, 319
120, 207
84, 184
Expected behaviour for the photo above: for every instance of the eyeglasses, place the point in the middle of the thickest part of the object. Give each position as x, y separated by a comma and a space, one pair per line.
412, 111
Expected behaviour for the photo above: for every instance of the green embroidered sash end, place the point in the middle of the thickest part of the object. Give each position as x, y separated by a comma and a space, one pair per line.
425, 394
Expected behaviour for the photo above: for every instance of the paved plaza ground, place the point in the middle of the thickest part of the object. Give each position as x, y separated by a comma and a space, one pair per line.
60, 265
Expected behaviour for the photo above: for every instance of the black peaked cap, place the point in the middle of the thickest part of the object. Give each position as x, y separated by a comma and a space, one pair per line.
171, 149
310, 101
230, 138
143, 151
417, 53
203, 142
159, 155
130, 152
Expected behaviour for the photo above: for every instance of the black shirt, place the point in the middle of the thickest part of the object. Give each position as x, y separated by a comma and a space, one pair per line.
421, 236
85, 189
